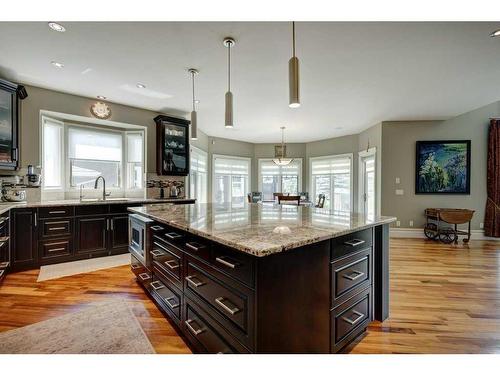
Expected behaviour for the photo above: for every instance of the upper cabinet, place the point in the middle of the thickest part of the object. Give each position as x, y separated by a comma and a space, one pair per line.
172, 146
9, 151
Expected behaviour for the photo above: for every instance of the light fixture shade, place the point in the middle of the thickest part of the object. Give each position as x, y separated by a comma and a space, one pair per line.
194, 125
229, 110
293, 81
282, 161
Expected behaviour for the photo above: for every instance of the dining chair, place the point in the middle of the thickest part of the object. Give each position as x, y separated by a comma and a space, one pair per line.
289, 198
321, 201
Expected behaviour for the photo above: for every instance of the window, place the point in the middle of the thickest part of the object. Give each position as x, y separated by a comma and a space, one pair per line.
332, 176
90, 152
279, 179
198, 175
52, 135
231, 180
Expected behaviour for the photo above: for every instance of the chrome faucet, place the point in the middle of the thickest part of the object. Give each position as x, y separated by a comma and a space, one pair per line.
104, 194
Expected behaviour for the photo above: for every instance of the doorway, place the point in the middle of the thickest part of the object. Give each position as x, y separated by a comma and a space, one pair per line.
367, 182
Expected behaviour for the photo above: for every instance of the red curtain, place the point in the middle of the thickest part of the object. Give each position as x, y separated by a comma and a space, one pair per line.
492, 216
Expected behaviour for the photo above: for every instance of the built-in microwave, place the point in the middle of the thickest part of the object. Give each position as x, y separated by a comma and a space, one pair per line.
140, 238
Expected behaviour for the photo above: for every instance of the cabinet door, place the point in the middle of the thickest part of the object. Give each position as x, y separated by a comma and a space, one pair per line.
91, 233
118, 236
24, 238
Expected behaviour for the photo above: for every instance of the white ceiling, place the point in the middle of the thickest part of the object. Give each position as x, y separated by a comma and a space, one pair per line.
353, 75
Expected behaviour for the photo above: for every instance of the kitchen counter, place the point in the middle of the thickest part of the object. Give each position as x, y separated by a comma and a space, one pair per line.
259, 229
6, 206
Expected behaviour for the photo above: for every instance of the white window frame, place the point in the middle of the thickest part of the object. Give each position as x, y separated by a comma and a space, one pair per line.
259, 174
65, 167
335, 156
361, 177
203, 152
249, 180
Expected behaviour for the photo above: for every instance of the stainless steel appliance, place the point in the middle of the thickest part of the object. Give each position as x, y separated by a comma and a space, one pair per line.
12, 194
140, 238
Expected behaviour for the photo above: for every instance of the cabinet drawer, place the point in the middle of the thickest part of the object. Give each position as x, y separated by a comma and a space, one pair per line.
52, 228
167, 296
167, 259
351, 275
202, 334
93, 209
197, 248
143, 275
55, 248
235, 264
349, 319
63, 211
351, 243
136, 266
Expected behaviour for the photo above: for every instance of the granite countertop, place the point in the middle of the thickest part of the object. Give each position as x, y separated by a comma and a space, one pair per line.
260, 229
6, 206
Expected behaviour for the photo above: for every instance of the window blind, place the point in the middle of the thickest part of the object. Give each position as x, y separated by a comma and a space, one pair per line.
227, 165
331, 165
198, 161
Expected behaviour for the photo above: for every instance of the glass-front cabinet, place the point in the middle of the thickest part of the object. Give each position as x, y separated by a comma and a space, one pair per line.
172, 142
9, 156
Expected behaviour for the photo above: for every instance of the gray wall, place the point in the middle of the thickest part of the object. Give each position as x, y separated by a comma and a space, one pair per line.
398, 160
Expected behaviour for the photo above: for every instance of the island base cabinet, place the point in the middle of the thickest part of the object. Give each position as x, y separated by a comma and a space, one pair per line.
317, 298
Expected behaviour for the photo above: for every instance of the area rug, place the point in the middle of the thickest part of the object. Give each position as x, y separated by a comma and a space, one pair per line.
108, 327
55, 271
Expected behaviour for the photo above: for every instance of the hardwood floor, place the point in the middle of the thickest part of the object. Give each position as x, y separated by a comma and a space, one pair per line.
444, 299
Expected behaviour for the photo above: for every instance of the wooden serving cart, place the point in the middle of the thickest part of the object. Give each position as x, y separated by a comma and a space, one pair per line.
436, 217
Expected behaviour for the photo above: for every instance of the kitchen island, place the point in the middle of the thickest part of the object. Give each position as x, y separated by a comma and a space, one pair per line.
263, 278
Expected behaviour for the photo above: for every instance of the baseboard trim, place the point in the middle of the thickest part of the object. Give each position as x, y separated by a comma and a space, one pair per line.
476, 234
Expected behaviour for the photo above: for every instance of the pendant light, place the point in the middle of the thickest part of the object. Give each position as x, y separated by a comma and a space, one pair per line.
229, 42
293, 75
194, 115
280, 157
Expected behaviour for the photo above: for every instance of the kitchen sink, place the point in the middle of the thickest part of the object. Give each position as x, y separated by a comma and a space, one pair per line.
106, 200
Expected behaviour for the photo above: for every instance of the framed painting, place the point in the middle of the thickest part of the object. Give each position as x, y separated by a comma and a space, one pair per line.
442, 167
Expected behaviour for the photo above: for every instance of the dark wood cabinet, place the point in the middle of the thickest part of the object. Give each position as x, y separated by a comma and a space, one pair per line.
9, 113
118, 233
313, 299
24, 234
91, 234
48, 235
172, 146
5, 257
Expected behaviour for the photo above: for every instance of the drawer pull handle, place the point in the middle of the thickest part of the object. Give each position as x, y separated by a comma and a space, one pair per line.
172, 264
230, 310
354, 242
56, 249
196, 332
156, 228
223, 260
156, 285
194, 283
157, 253
354, 275
170, 304
353, 322
135, 266
173, 235
144, 276
57, 228
194, 246
57, 212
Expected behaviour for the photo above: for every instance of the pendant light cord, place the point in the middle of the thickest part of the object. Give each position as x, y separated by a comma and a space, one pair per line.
293, 38
229, 67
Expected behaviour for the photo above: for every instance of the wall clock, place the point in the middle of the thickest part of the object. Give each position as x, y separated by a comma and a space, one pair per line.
100, 110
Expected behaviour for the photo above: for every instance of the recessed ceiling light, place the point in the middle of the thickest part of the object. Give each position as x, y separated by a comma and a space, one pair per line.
57, 64
57, 27
141, 86
101, 97
495, 33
